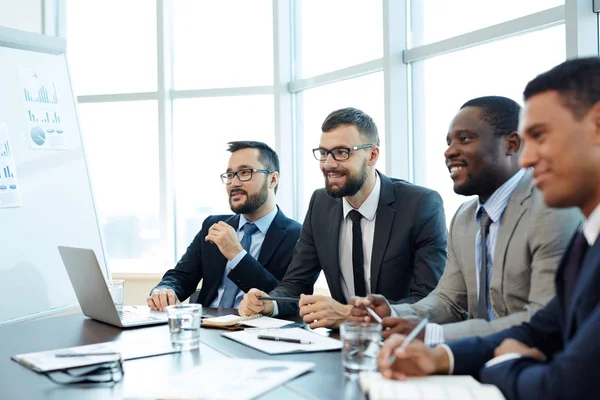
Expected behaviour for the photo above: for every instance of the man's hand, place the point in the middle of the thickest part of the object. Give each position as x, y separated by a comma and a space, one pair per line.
224, 236
514, 346
322, 311
376, 302
414, 360
160, 298
251, 305
403, 326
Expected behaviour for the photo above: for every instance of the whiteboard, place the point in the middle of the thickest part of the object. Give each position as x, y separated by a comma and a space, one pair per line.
44, 171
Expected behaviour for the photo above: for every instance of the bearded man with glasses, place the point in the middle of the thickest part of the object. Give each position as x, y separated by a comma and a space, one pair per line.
367, 232
233, 253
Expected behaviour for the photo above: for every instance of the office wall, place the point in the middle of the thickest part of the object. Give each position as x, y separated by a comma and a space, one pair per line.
22, 14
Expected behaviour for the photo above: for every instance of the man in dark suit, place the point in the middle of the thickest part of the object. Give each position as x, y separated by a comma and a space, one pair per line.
233, 253
555, 356
368, 233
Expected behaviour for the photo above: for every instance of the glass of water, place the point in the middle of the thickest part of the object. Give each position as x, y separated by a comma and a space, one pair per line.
116, 287
361, 342
184, 324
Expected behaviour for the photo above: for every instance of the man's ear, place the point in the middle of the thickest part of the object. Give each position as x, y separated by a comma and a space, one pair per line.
594, 115
513, 143
373, 155
274, 179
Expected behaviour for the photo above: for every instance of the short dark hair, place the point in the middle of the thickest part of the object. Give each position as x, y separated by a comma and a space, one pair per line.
266, 155
353, 116
500, 112
577, 82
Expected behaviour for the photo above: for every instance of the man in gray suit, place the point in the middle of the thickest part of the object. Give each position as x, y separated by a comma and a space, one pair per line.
523, 239
368, 233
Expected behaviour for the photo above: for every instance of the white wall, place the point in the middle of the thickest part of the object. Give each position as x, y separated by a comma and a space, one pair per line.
22, 14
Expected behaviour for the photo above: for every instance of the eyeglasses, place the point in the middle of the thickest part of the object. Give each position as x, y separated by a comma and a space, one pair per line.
338, 154
243, 175
109, 372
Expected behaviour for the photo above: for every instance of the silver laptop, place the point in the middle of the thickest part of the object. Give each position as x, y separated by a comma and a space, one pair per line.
93, 295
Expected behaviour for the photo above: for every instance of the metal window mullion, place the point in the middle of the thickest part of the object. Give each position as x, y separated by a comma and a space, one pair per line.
222, 92
164, 18
397, 144
581, 28
117, 97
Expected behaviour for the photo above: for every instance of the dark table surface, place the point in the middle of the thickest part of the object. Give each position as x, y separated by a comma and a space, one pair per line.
325, 381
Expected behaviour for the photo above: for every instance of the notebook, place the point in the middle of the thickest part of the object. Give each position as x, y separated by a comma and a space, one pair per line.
235, 321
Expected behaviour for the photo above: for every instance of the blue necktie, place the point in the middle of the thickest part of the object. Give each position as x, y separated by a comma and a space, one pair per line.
483, 300
231, 289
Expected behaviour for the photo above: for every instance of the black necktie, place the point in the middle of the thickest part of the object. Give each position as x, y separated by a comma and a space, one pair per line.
357, 255
571, 272
484, 226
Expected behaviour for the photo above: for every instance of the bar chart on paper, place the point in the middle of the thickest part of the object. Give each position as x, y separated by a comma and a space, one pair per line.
4, 149
40, 103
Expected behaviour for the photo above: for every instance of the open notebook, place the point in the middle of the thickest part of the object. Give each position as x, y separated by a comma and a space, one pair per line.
235, 321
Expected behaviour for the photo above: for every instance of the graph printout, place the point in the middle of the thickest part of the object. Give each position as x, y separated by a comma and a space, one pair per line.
41, 110
10, 193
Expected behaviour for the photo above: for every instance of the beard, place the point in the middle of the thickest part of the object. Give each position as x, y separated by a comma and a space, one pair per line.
253, 201
353, 182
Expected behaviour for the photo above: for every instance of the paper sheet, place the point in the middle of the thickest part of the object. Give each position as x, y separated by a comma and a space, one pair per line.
227, 378
320, 343
10, 189
266, 322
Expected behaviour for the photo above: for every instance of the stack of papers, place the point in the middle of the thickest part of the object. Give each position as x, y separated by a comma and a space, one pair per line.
238, 379
438, 387
318, 342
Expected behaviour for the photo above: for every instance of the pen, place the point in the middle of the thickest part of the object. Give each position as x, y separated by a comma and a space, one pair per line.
282, 339
86, 354
410, 337
374, 315
290, 299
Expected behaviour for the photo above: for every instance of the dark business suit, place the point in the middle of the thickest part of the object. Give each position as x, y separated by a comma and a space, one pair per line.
570, 338
409, 245
203, 260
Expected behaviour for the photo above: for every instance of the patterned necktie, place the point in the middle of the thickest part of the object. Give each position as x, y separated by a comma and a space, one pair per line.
231, 289
358, 268
484, 293
573, 267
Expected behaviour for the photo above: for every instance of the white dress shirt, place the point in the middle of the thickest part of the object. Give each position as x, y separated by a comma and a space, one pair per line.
368, 210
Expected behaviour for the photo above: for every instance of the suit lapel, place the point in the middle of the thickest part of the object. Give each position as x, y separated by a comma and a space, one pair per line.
332, 263
383, 228
275, 234
516, 207
589, 268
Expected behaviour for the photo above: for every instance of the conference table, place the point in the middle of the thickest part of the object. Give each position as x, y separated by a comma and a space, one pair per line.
326, 380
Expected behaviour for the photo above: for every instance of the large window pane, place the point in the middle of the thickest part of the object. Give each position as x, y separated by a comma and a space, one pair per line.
202, 128
364, 93
112, 46
339, 33
434, 20
224, 43
501, 68
121, 144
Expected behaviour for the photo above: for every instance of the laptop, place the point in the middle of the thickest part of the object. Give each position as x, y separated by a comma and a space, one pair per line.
93, 295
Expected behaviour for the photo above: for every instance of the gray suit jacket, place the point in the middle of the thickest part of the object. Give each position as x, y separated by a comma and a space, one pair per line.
530, 243
409, 245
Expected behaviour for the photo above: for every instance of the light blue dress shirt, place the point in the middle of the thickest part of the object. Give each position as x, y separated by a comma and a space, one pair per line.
258, 238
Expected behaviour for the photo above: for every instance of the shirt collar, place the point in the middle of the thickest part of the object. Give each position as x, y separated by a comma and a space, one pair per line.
262, 224
591, 226
368, 209
496, 204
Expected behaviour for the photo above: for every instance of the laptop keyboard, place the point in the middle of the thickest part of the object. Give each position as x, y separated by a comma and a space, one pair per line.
128, 316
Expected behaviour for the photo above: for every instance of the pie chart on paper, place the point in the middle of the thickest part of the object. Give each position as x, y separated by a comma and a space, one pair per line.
38, 136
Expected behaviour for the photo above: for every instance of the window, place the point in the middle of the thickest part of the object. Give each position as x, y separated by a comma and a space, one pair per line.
364, 93
121, 145
202, 128
339, 33
500, 68
112, 46
434, 20
223, 43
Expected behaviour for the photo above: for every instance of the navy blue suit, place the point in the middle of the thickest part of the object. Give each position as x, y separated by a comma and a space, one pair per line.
569, 338
203, 260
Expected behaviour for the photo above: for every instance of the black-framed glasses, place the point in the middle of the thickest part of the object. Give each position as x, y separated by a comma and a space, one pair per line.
109, 372
243, 175
338, 154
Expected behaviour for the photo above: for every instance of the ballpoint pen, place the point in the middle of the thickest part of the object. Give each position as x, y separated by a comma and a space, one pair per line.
410, 337
86, 354
374, 315
274, 298
282, 339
